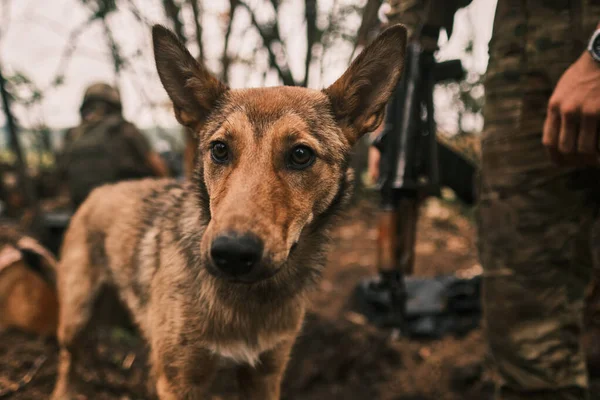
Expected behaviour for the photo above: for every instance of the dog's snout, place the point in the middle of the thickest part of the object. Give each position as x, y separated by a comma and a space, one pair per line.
236, 255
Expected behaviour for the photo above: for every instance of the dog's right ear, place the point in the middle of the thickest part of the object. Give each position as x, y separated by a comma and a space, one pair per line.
359, 96
191, 87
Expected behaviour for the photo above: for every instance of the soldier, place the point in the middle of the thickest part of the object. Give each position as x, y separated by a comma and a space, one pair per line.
539, 188
536, 215
105, 147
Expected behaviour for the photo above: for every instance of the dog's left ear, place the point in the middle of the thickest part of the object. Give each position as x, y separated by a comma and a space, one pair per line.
359, 96
193, 90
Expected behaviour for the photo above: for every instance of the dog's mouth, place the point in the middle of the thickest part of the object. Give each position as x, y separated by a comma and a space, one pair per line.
253, 280
258, 275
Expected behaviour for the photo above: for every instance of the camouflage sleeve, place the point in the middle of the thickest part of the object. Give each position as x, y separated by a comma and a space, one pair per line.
413, 13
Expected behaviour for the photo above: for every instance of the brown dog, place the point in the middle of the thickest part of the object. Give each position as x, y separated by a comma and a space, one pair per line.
218, 268
28, 298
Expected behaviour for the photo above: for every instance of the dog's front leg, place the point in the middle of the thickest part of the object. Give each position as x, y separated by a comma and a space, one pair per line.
263, 381
185, 375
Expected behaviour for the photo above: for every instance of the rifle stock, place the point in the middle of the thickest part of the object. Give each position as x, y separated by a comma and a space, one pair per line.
386, 240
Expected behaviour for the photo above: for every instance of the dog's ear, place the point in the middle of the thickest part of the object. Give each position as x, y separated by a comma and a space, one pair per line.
191, 87
359, 96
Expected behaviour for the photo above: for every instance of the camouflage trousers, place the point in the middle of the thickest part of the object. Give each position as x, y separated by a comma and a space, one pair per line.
536, 221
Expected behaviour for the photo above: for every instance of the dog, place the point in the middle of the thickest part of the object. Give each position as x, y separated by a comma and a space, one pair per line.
219, 267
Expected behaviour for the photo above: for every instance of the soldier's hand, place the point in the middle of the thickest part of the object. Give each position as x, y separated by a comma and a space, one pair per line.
573, 120
374, 156
373, 167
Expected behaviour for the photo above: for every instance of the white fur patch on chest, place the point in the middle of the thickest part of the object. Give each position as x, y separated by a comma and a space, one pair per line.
241, 352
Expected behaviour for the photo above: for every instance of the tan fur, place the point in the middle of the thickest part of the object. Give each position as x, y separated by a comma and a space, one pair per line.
27, 301
151, 239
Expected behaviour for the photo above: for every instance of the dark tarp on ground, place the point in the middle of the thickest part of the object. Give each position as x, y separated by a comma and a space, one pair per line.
435, 306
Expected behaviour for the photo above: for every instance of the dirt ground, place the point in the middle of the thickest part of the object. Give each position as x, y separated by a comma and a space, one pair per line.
338, 355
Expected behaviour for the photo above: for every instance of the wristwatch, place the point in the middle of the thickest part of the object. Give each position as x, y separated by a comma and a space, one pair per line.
594, 46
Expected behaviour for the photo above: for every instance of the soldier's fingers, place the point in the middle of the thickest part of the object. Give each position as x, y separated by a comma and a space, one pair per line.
587, 143
552, 132
567, 141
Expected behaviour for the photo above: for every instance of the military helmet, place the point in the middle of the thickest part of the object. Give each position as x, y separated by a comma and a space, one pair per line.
103, 92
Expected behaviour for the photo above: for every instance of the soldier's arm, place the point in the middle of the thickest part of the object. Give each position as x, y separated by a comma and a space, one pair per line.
141, 144
572, 122
157, 164
374, 155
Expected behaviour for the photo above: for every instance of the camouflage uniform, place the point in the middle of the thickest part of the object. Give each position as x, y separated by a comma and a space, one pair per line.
127, 147
535, 220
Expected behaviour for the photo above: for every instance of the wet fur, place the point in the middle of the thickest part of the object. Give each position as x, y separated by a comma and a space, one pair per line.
149, 239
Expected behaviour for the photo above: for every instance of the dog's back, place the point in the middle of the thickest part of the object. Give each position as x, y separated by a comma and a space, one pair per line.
114, 239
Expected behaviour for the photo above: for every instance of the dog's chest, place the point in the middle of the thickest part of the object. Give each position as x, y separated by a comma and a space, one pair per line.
242, 352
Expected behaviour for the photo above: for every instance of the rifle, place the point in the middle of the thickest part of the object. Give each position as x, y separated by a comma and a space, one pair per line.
409, 172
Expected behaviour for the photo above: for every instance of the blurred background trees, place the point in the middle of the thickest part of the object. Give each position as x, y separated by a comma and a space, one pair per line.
244, 42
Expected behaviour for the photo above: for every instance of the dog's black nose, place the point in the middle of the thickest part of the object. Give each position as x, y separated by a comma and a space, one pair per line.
236, 255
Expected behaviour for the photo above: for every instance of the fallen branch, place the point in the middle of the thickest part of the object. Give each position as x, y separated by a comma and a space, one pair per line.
25, 380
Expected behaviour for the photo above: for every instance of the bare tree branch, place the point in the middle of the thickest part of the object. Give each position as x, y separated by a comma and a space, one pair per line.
269, 37
370, 21
275, 4
69, 49
197, 11
173, 10
325, 38
137, 13
312, 34
225, 60
118, 61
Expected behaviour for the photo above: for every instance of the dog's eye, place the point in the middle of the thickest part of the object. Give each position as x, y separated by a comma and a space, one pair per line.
301, 157
219, 152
